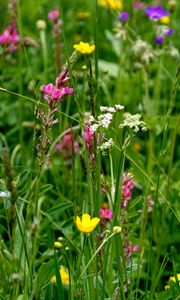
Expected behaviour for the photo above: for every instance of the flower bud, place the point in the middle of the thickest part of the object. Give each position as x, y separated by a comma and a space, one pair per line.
41, 25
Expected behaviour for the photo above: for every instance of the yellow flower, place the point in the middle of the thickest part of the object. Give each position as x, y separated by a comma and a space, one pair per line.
84, 48
64, 276
86, 224
173, 278
165, 20
111, 4
57, 245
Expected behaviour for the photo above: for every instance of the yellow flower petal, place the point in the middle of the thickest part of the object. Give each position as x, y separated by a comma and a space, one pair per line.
111, 4
64, 276
165, 20
86, 224
84, 48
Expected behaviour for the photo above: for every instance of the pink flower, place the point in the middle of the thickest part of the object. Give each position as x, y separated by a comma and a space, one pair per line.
88, 137
127, 186
106, 214
10, 36
54, 15
67, 145
136, 248
51, 92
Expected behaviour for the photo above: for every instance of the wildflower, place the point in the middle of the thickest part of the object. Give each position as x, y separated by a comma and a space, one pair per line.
88, 137
173, 279
123, 16
105, 119
51, 92
134, 122
107, 109
136, 248
169, 31
106, 146
10, 38
111, 4
86, 224
57, 245
84, 48
127, 186
165, 20
64, 276
53, 15
156, 12
143, 50
159, 40
67, 146
106, 214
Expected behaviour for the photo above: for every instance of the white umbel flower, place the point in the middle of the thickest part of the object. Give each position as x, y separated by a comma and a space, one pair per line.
134, 122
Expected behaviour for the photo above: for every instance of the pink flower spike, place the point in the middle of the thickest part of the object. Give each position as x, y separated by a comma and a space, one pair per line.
54, 15
88, 137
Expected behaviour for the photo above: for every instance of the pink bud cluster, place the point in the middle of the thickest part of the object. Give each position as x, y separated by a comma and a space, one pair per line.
54, 17
10, 38
67, 146
106, 214
56, 93
127, 186
88, 137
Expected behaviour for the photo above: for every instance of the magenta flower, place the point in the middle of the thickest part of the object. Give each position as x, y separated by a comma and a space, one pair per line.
123, 16
67, 145
10, 37
156, 12
136, 248
88, 137
51, 92
127, 186
54, 15
106, 214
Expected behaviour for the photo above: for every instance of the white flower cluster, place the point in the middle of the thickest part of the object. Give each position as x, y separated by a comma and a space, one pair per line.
104, 119
133, 121
106, 145
143, 50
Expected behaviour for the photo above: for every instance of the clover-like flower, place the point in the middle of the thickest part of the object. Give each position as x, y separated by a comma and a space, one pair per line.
84, 48
86, 224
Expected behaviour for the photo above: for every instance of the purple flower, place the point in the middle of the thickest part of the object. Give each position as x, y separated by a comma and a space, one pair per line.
123, 16
169, 31
156, 12
159, 40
